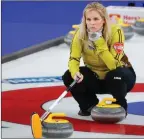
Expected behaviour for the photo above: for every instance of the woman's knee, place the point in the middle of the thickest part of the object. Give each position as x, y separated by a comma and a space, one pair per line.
67, 79
124, 75
87, 71
114, 74
89, 75
78, 89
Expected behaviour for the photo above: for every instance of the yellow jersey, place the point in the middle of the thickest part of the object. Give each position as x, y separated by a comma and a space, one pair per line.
99, 56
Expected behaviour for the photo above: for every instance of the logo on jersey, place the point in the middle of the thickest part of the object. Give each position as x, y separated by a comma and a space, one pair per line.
119, 47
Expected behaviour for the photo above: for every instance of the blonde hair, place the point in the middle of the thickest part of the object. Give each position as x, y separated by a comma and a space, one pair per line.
103, 13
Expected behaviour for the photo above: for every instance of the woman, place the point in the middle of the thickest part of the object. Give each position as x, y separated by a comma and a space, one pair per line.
107, 69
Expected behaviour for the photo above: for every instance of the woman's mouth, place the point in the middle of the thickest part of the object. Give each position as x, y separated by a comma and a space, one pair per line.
93, 29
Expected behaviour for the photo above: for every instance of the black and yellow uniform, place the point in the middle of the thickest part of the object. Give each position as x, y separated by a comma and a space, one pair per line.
101, 57
106, 69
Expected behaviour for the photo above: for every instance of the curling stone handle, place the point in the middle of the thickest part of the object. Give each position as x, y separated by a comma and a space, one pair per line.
72, 32
75, 26
103, 102
58, 100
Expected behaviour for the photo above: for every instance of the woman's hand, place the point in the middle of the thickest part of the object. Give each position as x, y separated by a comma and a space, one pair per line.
93, 36
78, 77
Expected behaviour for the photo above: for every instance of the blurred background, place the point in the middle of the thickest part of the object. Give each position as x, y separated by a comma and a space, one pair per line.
28, 23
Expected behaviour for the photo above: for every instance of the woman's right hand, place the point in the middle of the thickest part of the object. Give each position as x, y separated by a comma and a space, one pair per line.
78, 77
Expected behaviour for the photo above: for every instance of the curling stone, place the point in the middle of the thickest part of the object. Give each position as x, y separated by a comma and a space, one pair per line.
51, 128
128, 31
56, 128
68, 38
138, 26
108, 113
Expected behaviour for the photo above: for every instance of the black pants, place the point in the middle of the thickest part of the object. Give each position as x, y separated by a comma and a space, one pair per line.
117, 82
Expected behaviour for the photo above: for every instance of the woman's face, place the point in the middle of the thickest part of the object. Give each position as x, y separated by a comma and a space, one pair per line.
94, 21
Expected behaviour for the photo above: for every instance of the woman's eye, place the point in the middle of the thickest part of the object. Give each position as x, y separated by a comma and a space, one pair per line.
96, 19
88, 19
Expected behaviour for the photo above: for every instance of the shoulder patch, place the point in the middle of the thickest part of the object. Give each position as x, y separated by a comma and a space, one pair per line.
119, 47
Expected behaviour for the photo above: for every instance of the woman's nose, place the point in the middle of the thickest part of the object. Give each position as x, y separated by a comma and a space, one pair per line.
92, 22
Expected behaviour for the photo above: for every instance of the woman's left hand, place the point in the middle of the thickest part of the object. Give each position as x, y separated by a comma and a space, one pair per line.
93, 36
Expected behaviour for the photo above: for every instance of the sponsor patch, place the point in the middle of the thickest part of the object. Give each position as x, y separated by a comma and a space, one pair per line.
119, 47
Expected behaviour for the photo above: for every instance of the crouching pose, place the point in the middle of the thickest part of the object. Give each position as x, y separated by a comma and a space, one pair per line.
107, 69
